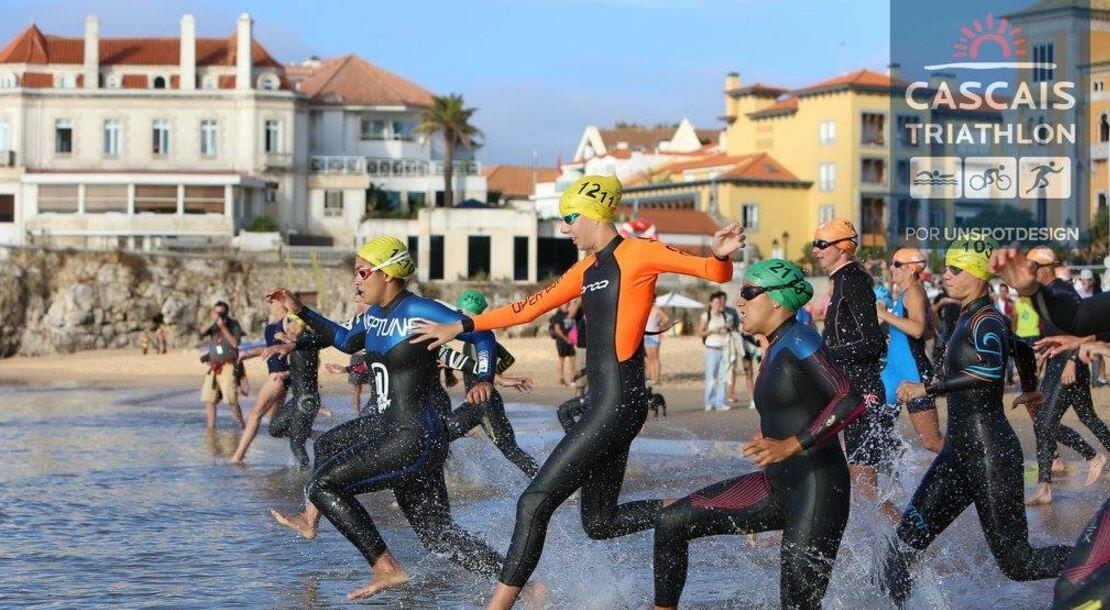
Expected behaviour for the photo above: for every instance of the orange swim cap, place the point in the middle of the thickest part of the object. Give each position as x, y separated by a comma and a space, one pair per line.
840, 230
912, 257
1043, 255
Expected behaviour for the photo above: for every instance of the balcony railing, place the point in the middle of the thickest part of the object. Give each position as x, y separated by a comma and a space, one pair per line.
7, 158
276, 160
1098, 151
377, 166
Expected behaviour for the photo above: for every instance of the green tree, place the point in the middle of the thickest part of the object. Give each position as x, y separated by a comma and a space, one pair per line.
264, 224
450, 118
1099, 234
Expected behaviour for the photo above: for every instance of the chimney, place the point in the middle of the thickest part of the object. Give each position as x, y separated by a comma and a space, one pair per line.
188, 55
91, 69
243, 60
732, 82
894, 70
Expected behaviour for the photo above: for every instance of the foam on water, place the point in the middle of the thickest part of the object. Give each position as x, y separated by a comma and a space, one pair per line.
117, 499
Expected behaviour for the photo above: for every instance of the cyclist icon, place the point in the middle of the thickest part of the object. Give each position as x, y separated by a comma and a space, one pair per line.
992, 176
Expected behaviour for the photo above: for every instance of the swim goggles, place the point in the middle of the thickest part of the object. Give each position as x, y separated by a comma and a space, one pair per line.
366, 272
821, 244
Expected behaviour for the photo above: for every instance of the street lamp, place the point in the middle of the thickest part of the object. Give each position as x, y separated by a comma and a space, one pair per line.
786, 245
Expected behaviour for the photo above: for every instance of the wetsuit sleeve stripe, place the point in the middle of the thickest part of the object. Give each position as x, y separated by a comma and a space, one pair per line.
1066, 311
658, 257
568, 286
988, 334
349, 340
504, 359
456, 360
844, 405
483, 342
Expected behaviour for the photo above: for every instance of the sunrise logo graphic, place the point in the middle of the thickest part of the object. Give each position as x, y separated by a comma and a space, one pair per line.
998, 38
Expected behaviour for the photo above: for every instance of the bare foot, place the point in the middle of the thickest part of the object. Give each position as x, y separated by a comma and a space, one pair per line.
298, 523
1058, 466
1094, 469
235, 460
382, 580
1041, 497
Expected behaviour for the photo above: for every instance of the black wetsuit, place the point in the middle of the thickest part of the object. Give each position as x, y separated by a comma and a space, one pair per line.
294, 418
1086, 577
402, 448
981, 462
1059, 398
490, 415
856, 343
1075, 316
800, 393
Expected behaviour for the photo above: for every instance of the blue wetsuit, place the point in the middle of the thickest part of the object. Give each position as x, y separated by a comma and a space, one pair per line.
403, 447
274, 364
906, 361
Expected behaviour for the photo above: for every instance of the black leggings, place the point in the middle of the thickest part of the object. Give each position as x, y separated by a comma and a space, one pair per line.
491, 416
293, 419
362, 455
1059, 398
981, 464
1086, 576
811, 512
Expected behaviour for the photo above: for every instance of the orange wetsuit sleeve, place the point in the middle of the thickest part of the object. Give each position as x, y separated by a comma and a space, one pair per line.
568, 286
658, 257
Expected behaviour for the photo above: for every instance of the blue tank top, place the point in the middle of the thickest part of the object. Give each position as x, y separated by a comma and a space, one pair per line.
275, 364
902, 363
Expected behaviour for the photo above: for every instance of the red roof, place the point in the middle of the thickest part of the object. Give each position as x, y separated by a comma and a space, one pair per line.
782, 107
352, 80
671, 220
717, 160
760, 167
37, 79
865, 79
33, 47
757, 89
517, 180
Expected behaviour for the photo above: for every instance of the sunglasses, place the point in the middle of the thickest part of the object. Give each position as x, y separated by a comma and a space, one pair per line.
570, 218
749, 293
365, 272
821, 244
954, 270
900, 264
1037, 266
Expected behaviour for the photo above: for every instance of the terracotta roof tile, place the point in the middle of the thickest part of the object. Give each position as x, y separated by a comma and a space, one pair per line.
865, 79
781, 107
351, 80
29, 47
760, 167
757, 89
717, 160
635, 137
517, 180
681, 221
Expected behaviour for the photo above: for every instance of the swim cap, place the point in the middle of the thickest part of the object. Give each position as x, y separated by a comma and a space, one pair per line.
915, 257
972, 254
292, 318
596, 197
472, 301
795, 291
388, 254
836, 229
882, 295
1042, 255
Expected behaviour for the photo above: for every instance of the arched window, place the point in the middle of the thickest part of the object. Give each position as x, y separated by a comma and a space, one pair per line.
269, 82
159, 82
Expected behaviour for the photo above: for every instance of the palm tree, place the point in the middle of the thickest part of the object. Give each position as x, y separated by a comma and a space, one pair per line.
450, 118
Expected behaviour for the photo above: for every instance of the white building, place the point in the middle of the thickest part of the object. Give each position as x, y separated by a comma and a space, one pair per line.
157, 142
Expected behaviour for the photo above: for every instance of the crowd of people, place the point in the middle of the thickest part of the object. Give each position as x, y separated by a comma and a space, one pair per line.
828, 403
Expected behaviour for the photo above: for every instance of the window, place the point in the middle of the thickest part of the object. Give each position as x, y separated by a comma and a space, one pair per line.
105, 198
273, 137
8, 81
1042, 53
67, 81
907, 215
906, 130
63, 136
161, 138
159, 82
873, 171
828, 132
1101, 201
477, 259
1096, 85
208, 82
4, 146
872, 125
61, 198
827, 180
414, 249
156, 198
371, 129
937, 215
114, 81
209, 146
1103, 129
207, 199
402, 130
7, 208
435, 267
417, 199
520, 258
271, 191
112, 138
268, 82
333, 203
749, 216
826, 213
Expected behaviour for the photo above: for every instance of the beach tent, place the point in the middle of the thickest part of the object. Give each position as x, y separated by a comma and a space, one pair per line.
673, 299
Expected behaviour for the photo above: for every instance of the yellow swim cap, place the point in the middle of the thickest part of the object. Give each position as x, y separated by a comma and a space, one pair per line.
596, 197
388, 254
292, 318
972, 254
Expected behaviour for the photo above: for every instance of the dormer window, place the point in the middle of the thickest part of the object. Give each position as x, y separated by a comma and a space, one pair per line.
159, 82
114, 81
269, 82
209, 82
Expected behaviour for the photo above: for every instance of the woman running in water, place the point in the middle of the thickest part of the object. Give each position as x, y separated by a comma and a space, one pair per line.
855, 342
404, 446
273, 391
910, 328
293, 419
803, 400
490, 414
981, 462
592, 456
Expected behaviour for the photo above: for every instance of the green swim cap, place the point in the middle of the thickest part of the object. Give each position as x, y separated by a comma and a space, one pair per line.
794, 291
472, 301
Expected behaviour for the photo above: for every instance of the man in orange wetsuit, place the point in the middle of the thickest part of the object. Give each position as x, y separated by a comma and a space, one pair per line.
616, 281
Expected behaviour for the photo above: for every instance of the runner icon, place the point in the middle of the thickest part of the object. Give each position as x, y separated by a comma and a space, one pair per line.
1042, 171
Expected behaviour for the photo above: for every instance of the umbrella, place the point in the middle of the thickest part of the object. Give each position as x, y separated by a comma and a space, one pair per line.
673, 299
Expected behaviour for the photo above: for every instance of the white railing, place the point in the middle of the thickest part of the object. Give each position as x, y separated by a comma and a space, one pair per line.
380, 166
324, 254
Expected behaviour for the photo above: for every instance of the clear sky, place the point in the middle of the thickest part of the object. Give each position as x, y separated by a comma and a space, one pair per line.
538, 70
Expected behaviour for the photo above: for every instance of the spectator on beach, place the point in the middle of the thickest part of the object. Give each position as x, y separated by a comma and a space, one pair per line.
653, 340
223, 336
713, 328
558, 327
1087, 287
357, 371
